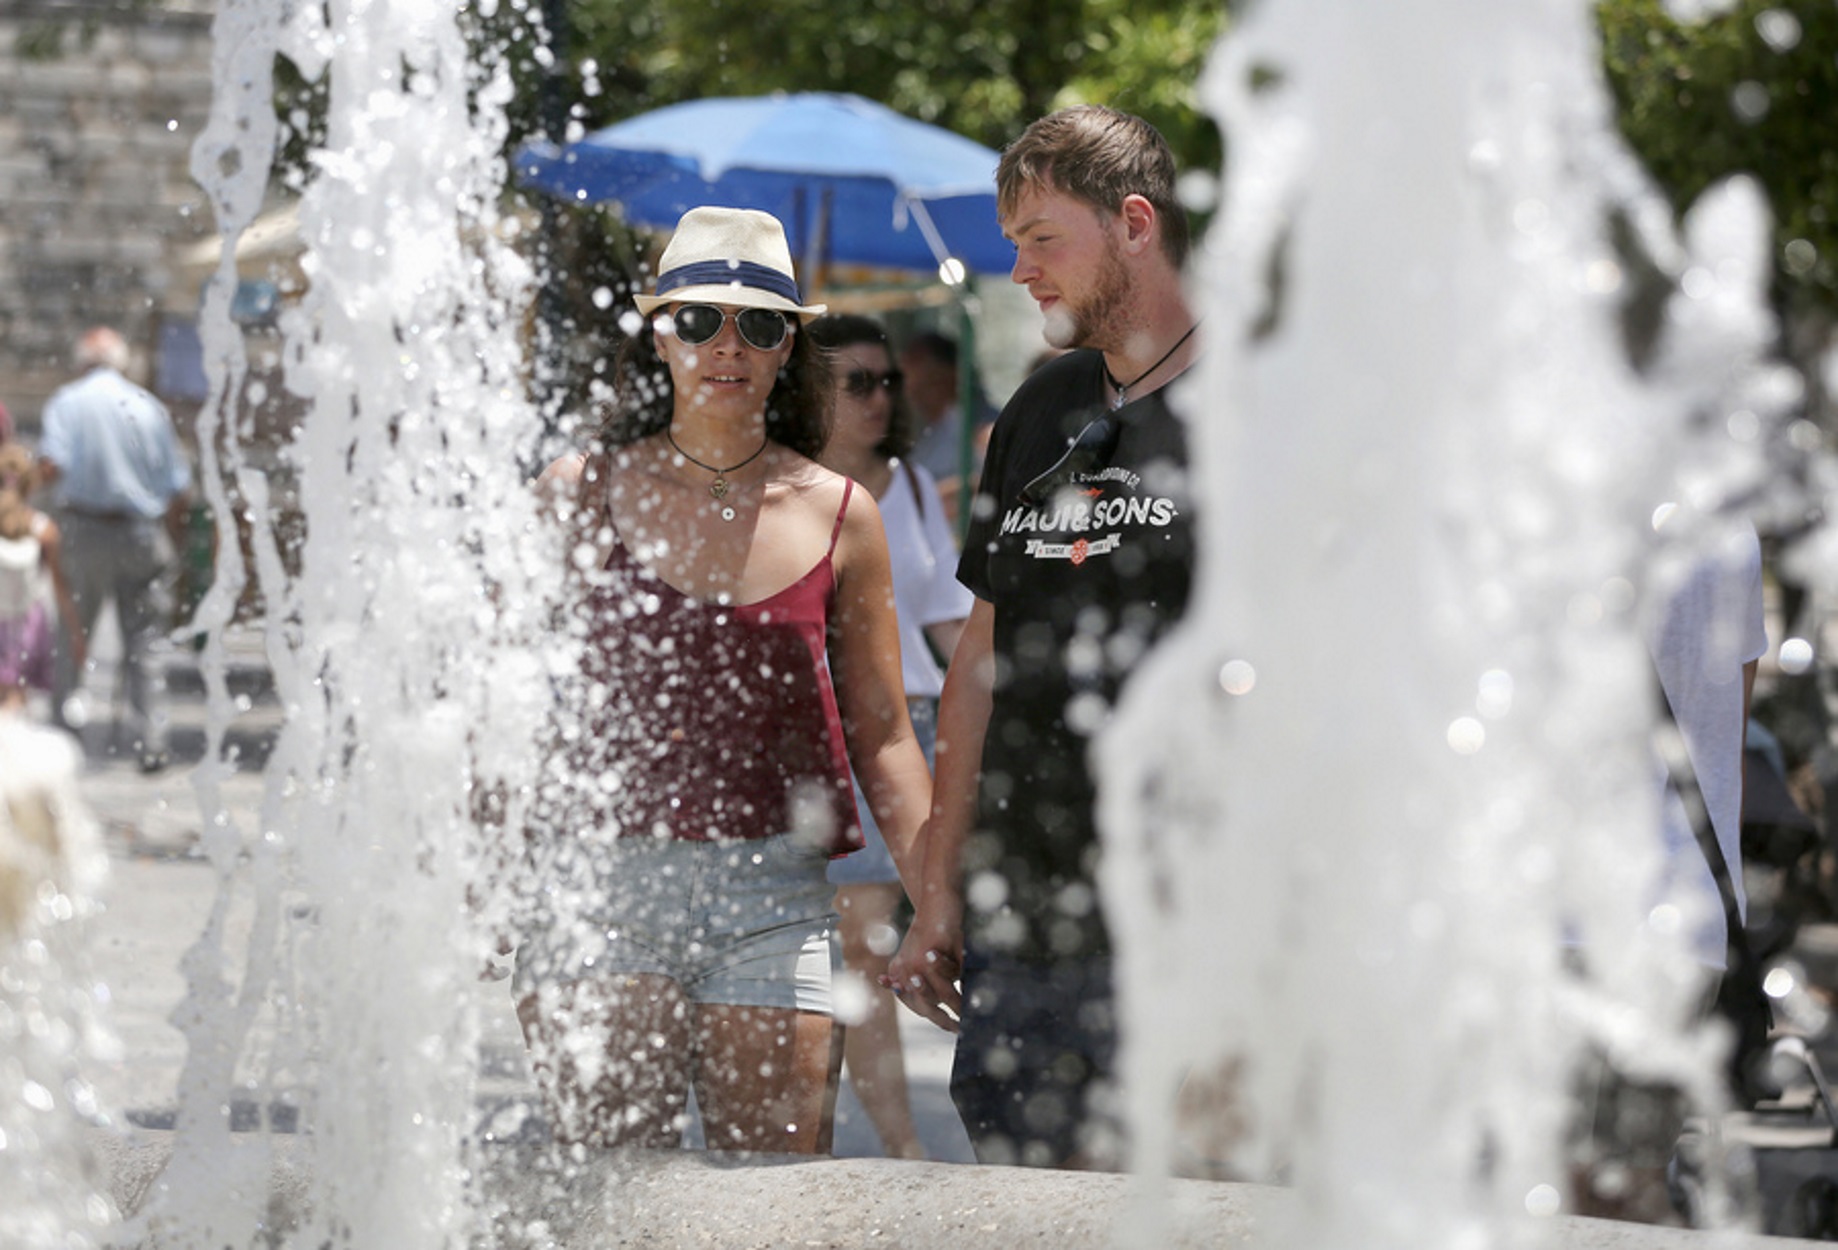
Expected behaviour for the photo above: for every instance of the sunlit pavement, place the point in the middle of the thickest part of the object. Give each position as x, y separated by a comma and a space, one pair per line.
161, 890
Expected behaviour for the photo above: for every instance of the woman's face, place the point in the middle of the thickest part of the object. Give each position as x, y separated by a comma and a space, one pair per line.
727, 374
864, 405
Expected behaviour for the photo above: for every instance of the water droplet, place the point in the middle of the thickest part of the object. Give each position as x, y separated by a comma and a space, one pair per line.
1750, 101
1197, 190
986, 892
1603, 276
1466, 735
1800, 257
1495, 697
850, 998
1779, 29
1237, 677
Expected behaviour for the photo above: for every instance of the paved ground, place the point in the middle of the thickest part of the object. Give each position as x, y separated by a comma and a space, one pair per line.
161, 890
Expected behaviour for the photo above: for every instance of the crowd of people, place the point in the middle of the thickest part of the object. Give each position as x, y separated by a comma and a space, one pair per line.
806, 714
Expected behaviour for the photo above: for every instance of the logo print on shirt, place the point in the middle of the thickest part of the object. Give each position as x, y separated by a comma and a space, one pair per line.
1078, 551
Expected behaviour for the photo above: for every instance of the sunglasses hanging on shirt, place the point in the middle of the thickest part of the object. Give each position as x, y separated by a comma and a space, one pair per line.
1086, 452
696, 324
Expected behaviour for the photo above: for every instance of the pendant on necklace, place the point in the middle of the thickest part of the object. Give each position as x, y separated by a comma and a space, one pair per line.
1123, 397
727, 513
719, 487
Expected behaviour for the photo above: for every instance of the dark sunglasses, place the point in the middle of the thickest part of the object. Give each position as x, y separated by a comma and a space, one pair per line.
697, 324
861, 383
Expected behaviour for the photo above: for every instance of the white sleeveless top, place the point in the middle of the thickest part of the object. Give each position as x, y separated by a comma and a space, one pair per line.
19, 572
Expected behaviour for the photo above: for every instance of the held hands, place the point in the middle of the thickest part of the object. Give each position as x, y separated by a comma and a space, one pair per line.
924, 972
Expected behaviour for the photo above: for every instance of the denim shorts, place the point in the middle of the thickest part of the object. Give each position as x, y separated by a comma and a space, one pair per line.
745, 923
873, 864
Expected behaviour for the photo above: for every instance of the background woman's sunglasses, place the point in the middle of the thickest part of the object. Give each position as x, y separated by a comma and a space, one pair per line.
696, 324
861, 383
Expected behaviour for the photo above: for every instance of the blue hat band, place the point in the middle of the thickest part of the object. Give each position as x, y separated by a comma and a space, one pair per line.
729, 273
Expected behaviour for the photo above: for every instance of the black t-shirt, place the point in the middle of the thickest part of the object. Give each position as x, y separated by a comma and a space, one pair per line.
1083, 582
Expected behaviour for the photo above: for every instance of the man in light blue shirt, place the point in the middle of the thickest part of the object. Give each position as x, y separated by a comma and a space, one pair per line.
119, 484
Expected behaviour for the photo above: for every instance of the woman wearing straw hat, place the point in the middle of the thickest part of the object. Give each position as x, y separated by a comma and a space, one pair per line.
741, 653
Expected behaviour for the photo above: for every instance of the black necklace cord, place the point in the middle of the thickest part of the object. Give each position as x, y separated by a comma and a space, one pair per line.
671, 436
1123, 388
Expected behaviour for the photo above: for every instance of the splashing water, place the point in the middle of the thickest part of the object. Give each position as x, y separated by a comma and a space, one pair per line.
51, 1011
1428, 467
1343, 878
399, 648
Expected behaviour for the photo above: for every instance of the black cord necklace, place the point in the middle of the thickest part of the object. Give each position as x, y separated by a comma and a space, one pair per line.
1123, 388
718, 488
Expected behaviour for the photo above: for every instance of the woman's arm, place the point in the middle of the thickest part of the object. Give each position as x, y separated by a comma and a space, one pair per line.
870, 693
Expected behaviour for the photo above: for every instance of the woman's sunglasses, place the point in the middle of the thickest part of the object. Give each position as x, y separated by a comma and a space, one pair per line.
862, 383
696, 324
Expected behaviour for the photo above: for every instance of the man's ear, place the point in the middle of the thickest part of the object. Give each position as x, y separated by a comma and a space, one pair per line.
1140, 223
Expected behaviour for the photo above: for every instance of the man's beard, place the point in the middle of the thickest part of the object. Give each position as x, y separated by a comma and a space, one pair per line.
1092, 323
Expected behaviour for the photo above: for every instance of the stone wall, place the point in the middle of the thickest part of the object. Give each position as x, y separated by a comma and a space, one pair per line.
99, 103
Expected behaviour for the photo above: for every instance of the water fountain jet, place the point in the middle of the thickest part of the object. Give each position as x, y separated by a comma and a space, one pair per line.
1464, 490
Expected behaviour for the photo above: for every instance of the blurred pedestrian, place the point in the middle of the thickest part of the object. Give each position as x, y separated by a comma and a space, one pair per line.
34, 593
119, 484
870, 434
934, 389
1079, 553
1631, 1157
741, 657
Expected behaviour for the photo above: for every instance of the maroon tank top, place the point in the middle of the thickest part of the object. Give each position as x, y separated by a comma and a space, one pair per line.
714, 721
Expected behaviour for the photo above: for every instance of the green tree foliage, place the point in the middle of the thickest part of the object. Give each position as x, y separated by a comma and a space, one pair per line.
1752, 90
983, 68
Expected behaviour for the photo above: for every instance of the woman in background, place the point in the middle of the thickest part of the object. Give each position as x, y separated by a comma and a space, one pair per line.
872, 429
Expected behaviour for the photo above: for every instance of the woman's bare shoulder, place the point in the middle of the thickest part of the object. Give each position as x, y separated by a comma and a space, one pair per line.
563, 471
821, 489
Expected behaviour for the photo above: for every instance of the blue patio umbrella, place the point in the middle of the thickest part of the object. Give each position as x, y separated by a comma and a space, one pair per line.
853, 181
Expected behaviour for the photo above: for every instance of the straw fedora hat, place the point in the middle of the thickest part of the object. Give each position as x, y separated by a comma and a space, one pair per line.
733, 256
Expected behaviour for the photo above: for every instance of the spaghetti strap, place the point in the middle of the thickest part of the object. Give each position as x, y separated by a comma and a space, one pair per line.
848, 488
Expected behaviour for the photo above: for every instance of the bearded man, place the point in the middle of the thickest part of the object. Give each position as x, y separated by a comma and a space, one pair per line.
1080, 554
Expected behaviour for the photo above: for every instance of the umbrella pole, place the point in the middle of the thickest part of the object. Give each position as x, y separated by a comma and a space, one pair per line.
967, 393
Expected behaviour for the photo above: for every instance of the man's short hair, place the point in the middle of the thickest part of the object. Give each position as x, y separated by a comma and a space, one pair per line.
103, 346
1098, 155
